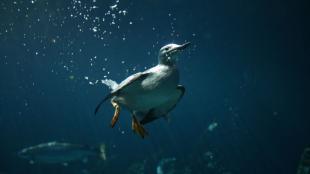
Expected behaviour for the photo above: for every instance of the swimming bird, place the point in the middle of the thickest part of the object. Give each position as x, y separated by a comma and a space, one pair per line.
151, 94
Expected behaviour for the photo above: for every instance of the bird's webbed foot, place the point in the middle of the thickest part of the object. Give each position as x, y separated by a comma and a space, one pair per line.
116, 113
137, 127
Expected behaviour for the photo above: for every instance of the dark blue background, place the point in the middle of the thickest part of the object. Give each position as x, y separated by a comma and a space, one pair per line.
247, 70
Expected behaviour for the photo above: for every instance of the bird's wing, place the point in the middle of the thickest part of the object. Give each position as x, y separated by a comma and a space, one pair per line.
164, 108
102, 101
138, 77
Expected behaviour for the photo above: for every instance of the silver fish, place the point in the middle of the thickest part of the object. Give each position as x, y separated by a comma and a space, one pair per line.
60, 152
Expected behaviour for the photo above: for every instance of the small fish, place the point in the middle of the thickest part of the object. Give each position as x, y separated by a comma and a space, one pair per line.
61, 153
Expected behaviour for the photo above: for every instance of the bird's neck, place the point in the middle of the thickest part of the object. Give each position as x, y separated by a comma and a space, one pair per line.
167, 69
169, 64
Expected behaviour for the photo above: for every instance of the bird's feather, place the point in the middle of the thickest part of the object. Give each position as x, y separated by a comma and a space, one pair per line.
164, 108
138, 77
102, 101
123, 85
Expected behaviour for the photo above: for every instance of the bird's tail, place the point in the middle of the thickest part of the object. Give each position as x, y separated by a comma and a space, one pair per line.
110, 83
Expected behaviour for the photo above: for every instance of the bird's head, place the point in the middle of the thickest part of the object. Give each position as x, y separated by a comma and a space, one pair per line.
168, 54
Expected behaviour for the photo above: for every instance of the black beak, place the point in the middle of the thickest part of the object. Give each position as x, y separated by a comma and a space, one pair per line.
183, 46
179, 48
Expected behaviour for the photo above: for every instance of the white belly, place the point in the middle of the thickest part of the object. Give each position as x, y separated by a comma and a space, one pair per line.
150, 93
146, 101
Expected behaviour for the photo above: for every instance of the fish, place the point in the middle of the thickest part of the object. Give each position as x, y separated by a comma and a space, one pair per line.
61, 153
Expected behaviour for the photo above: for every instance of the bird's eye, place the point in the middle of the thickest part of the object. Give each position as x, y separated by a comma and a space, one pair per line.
166, 49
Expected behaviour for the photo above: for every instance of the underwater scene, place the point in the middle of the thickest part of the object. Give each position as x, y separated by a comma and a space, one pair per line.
154, 87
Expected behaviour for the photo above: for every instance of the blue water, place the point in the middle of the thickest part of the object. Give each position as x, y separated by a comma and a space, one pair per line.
247, 72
